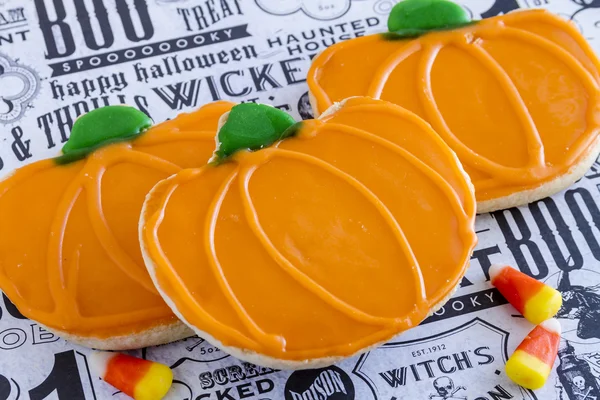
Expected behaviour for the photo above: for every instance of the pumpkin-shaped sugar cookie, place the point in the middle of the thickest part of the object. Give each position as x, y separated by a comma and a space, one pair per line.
318, 244
517, 97
69, 250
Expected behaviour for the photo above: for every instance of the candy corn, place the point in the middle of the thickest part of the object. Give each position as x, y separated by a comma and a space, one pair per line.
140, 379
535, 300
532, 361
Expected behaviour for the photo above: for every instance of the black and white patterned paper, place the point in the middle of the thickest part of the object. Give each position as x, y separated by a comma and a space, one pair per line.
61, 58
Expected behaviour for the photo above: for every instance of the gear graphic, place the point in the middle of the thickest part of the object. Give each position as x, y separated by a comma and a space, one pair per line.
315, 9
19, 85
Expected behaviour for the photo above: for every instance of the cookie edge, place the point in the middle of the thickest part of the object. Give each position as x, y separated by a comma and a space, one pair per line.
524, 197
249, 355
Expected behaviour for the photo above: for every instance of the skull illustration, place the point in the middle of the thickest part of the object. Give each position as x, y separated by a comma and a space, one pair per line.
579, 382
444, 386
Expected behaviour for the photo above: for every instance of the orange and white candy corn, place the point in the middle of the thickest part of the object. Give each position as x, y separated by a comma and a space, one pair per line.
137, 378
535, 300
531, 363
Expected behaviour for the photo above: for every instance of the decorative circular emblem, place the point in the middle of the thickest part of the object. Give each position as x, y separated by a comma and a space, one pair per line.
329, 383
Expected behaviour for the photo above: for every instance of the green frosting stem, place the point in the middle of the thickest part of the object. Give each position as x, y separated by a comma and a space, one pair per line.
410, 18
102, 127
252, 126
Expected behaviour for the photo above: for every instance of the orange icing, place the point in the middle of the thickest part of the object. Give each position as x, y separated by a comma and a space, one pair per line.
321, 245
69, 249
517, 97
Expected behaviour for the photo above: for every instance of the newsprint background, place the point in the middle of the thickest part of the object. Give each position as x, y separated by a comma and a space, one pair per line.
60, 58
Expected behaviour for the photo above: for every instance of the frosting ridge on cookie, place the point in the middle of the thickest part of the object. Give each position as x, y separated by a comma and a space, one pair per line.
517, 97
69, 250
320, 245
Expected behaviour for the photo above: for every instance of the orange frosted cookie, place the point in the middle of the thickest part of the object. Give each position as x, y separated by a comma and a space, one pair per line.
69, 250
516, 97
318, 245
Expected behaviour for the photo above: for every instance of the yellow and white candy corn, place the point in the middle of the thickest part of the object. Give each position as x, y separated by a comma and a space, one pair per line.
531, 363
535, 300
138, 378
